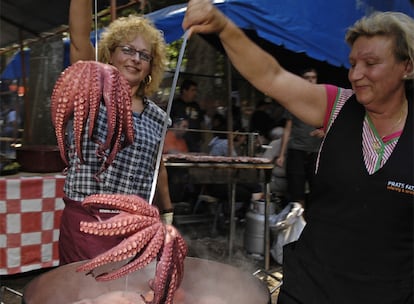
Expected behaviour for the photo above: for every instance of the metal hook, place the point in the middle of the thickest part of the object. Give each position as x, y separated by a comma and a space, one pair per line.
168, 111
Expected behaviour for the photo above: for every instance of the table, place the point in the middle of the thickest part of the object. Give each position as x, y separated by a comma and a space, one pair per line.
30, 210
229, 170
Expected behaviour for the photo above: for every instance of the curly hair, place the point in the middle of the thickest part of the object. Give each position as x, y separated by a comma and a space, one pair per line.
391, 24
127, 29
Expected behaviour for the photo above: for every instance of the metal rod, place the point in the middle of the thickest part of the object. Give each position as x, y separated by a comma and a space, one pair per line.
230, 146
251, 143
17, 293
96, 29
217, 131
232, 196
266, 226
167, 119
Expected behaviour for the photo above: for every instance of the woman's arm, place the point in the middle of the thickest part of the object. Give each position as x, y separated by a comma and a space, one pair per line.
305, 100
80, 22
162, 194
280, 160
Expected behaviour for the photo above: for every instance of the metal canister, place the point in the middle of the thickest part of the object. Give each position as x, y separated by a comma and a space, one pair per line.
254, 229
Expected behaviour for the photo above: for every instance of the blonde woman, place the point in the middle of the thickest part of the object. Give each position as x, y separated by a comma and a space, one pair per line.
137, 49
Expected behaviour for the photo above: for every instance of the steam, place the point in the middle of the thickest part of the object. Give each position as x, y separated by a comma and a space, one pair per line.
216, 249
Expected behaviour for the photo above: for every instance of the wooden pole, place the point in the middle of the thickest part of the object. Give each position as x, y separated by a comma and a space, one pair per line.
27, 134
113, 10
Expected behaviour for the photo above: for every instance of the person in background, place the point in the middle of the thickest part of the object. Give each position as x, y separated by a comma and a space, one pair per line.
186, 106
300, 145
174, 139
137, 49
263, 121
219, 146
357, 245
175, 143
278, 183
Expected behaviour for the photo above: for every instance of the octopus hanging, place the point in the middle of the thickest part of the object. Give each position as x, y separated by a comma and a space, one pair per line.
78, 93
147, 238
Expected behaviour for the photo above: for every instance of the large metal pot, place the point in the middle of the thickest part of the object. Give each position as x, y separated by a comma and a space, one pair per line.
204, 282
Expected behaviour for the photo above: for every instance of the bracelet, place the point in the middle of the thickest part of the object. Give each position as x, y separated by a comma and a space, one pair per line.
167, 210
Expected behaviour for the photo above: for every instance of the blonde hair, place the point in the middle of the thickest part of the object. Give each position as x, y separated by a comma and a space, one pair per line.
392, 24
125, 29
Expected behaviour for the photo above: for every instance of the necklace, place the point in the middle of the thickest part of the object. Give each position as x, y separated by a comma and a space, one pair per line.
395, 125
378, 143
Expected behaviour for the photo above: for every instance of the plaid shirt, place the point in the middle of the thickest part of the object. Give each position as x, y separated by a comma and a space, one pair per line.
132, 170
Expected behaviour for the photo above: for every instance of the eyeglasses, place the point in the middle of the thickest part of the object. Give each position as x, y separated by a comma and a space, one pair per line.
130, 51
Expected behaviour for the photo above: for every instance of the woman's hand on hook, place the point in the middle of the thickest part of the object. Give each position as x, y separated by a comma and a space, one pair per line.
203, 17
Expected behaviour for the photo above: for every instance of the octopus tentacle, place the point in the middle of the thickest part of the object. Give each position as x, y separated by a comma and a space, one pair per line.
120, 224
133, 204
95, 99
62, 107
127, 121
110, 87
78, 92
147, 238
127, 249
116, 144
115, 105
123, 121
180, 254
148, 254
81, 112
163, 274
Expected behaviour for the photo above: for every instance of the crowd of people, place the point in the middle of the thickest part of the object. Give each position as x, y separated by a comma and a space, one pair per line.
287, 141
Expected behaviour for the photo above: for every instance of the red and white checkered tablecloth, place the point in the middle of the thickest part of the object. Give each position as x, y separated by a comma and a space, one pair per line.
30, 210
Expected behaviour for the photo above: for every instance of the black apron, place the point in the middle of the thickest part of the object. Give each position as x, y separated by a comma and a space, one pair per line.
357, 246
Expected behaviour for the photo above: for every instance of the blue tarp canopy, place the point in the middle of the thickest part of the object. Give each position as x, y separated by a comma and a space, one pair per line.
316, 28
14, 69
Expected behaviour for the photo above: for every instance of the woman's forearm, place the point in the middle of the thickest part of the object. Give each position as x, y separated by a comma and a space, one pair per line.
80, 22
250, 60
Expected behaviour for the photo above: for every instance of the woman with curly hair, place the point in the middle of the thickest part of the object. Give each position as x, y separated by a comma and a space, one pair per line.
137, 49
